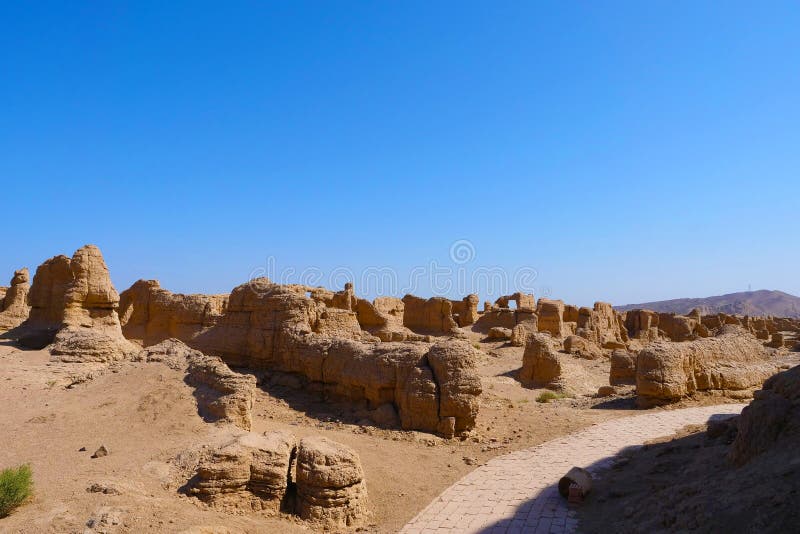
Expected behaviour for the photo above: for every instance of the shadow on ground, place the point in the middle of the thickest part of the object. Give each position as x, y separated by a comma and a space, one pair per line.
549, 512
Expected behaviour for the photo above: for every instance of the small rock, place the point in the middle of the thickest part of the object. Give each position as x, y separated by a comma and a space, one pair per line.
82, 449
469, 460
606, 391
99, 453
107, 489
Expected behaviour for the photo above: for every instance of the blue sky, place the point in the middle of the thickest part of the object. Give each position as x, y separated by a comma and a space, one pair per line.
625, 151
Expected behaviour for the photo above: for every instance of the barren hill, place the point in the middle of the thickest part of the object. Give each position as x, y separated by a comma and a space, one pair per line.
762, 302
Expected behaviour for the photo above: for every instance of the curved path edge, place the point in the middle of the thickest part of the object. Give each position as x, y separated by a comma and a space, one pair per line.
517, 492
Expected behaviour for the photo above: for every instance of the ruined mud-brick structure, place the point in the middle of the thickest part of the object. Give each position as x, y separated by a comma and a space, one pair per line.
400, 357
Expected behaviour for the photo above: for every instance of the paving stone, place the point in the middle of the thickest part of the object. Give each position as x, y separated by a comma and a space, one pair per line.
517, 492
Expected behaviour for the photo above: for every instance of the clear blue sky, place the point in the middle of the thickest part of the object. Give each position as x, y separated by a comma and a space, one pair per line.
626, 151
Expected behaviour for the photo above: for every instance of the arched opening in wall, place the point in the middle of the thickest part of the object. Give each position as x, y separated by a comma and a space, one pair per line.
512, 304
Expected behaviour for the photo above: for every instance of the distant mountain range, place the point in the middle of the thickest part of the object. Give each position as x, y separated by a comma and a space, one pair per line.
762, 302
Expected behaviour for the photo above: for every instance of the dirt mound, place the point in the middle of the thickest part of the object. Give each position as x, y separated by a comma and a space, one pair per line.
222, 394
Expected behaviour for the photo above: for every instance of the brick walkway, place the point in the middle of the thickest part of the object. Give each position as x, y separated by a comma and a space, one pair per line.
517, 492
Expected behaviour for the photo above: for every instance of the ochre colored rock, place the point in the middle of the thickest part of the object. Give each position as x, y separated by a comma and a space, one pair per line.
73, 305
251, 472
90, 328
331, 491
606, 391
733, 363
81, 344
337, 322
499, 333
496, 317
642, 324
269, 326
523, 301
453, 365
429, 316
150, 314
582, 347
601, 325
384, 318
14, 307
47, 301
551, 317
678, 327
519, 334
623, 368
541, 364
465, 311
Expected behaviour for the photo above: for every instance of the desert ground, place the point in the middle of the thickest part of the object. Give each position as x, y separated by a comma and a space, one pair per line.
148, 419
288, 408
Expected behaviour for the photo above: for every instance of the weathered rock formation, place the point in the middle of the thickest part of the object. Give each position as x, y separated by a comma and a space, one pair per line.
523, 301
541, 363
47, 301
150, 314
678, 327
520, 333
647, 325
384, 318
498, 333
550, 315
222, 394
343, 300
733, 363
429, 316
14, 307
582, 347
273, 327
81, 345
623, 368
251, 472
90, 328
453, 366
73, 305
498, 317
602, 326
502, 315
642, 324
465, 311
771, 420
331, 491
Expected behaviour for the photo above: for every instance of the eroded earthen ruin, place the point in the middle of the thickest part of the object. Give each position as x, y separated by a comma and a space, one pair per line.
403, 356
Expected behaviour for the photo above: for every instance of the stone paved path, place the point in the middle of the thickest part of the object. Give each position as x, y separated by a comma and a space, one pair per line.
517, 492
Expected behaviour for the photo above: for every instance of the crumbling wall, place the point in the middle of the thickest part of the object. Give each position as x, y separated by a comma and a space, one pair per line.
429, 316
732, 363
269, 326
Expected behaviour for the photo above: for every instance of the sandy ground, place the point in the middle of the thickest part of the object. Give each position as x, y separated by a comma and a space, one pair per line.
147, 417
